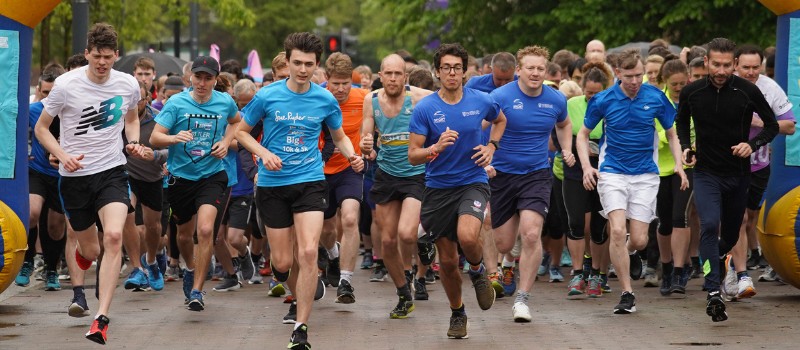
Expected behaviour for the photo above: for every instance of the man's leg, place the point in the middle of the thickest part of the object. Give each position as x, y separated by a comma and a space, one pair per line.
112, 216
387, 216
308, 227
349, 246
618, 249
206, 217
448, 271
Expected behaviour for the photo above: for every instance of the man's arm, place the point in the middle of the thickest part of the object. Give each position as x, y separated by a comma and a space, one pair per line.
564, 135
683, 121
134, 148
416, 153
582, 145
341, 141
675, 149
48, 141
770, 129
220, 149
269, 159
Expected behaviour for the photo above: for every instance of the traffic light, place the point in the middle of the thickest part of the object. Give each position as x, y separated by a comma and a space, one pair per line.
333, 43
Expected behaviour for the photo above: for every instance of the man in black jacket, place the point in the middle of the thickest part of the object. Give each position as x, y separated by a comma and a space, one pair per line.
722, 108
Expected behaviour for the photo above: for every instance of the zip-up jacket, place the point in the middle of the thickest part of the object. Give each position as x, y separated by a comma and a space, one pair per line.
722, 119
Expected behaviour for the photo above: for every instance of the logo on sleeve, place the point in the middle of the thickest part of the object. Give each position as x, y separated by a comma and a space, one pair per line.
518, 104
110, 113
438, 117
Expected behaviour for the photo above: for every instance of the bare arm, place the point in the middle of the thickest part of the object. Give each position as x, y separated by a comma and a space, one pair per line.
220, 149
342, 142
677, 154
582, 145
48, 141
160, 138
269, 159
132, 133
564, 135
416, 153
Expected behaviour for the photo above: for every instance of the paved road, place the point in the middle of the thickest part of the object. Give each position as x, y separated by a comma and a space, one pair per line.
31, 318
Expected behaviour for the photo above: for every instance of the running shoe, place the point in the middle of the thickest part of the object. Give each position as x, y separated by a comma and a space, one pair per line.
217, 274
51, 281
769, 275
544, 266
458, 326
483, 288
627, 304
63, 273
320, 292
666, 284
509, 281
378, 274
402, 309
566, 260
650, 278
430, 276
367, 262
98, 332
344, 293
196, 301
420, 291
555, 275
333, 272
576, 285
24, 277
266, 270
677, 285
229, 283
521, 312
276, 288
161, 260
248, 268
172, 274
745, 288
137, 281
299, 339
730, 284
291, 316
154, 277
604, 285
494, 277
595, 289
612, 272
83, 263
697, 271
752, 261
256, 279
715, 307
188, 284
78, 306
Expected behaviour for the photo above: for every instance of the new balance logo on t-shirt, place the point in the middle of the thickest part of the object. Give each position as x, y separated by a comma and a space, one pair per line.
109, 114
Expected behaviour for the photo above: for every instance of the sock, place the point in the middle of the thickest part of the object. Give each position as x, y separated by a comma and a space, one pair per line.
333, 253
522, 297
298, 325
459, 310
256, 258
666, 268
77, 290
739, 275
507, 263
695, 261
346, 276
404, 292
577, 272
595, 272
379, 263
147, 259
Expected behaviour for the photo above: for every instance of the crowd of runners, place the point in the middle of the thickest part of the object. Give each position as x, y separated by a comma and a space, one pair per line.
504, 168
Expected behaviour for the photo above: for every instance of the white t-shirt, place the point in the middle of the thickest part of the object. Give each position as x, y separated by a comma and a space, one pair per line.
92, 117
774, 95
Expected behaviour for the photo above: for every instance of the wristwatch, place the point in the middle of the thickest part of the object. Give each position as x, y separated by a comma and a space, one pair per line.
495, 143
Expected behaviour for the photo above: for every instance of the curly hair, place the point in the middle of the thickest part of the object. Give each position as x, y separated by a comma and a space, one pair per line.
101, 36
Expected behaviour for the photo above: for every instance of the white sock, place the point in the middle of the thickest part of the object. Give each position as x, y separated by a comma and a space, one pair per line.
297, 325
507, 263
333, 253
346, 276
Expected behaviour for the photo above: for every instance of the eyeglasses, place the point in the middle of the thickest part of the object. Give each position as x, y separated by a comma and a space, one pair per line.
451, 69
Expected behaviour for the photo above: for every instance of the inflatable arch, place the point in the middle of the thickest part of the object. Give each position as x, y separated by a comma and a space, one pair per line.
17, 20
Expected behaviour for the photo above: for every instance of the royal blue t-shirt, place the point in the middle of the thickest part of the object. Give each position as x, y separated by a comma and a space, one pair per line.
484, 82
292, 125
40, 163
529, 121
432, 116
630, 143
193, 160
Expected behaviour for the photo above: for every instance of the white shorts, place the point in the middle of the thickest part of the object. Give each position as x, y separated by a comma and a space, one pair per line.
636, 194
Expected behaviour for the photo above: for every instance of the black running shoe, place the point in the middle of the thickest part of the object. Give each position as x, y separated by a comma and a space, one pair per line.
666, 284
344, 293
420, 291
636, 266
404, 307
333, 272
678, 285
458, 326
299, 339
715, 307
627, 304
291, 317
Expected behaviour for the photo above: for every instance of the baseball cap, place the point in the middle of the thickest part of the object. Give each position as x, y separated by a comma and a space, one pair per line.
205, 64
173, 83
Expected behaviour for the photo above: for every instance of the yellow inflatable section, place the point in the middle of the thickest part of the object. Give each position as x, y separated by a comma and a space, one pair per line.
13, 244
778, 236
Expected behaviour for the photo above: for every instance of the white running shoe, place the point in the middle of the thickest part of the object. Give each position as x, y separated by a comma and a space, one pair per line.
729, 287
746, 288
522, 313
769, 275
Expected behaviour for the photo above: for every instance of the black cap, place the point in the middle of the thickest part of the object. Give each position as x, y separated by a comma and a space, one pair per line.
205, 64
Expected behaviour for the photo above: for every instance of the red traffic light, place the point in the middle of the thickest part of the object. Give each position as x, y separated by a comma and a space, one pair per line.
333, 43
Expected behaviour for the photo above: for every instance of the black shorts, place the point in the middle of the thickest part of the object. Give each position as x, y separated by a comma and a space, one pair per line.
556, 223
346, 184
83, 196
758, 184
186, 196
47, 187
441, 208
387, 188
238, 213
276, 205
149, 194
514, 192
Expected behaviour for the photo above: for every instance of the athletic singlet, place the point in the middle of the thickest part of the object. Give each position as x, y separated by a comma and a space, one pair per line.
393, 131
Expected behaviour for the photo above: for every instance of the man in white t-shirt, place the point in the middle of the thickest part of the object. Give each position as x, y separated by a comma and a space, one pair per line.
91, 102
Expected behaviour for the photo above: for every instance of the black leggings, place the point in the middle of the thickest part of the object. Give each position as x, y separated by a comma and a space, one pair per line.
51, 249
672, 209
578, 201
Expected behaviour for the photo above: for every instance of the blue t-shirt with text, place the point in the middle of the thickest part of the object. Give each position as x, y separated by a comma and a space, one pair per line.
432, 116
529, 121
292, 125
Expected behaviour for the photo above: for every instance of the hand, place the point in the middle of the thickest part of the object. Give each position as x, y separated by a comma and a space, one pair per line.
271, 161
219, 150
446, 139
53, 160
135, 150
684, 179
182, 136
590, 176
372, 155
689, 159
148, 153
367, 143
484, 155
742, 150
71, 163
490, 171
568, 158
357, 163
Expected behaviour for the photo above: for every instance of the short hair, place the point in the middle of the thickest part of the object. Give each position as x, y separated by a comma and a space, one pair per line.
187, 68
553, 69
658, 42
453, 49
304, 42
564, 58
721, 45
50, 73
159, 83
655, 59
570, 88
598, 73
749, 49
242, 86
364, 70
76, 61
671, 67
576, 65
101, 36
697, 62
504, 61
660, 51
421, 78
268, 76
407, 56
694, 52
232, 66
487, 60
629, 58
144, 63
339, 65
612, 58
770, 61
533, 51
472, 61
279, 62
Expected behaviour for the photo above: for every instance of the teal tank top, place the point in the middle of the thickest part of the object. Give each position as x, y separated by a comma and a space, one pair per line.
393, 139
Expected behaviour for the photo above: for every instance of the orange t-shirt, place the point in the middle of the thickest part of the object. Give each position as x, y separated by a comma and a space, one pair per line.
352, 115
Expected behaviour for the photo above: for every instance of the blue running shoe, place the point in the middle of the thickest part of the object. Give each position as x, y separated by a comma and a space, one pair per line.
509, 281
566, 260
161, 261
51, 281
24, 277
155, 277
188, 283
196, 301
276, 288
137, 281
